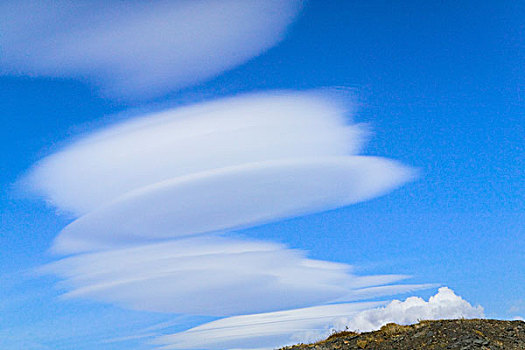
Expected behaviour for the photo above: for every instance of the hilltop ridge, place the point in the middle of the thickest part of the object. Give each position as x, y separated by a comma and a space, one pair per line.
440, 334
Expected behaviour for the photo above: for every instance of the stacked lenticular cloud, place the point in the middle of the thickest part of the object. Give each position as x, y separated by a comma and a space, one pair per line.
158, 200
213, 167
196, 139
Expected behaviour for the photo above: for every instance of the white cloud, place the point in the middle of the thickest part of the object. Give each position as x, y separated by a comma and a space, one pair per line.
190, 173
232, 198
211, 167
145, 150
273, 330
135, 48
444, 305
211, 275
263, 331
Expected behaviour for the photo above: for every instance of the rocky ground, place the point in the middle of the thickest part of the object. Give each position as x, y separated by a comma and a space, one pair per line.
442, 334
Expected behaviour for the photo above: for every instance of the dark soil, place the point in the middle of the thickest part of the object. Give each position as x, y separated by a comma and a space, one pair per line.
442, 334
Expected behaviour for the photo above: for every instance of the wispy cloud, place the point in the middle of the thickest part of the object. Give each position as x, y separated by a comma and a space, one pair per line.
271, 330
265, 330
212, 275
134, 48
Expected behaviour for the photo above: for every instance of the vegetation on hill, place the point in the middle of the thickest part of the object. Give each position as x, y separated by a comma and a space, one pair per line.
441, 334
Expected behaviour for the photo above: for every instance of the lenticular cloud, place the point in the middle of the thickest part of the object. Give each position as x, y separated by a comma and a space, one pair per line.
232, 198
213, 167
157, 198
212, 275
189, 140
138, 48
265, 330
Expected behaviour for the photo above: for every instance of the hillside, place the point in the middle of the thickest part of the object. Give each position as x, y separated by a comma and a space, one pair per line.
441, 334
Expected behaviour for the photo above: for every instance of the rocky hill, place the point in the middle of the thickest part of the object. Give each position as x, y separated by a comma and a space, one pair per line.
441, 334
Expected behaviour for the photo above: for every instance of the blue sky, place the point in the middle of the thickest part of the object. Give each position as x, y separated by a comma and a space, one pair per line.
440, 86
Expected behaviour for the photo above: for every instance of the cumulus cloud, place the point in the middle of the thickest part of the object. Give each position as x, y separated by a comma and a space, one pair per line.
213, 275
148, 149
232, 198
136, 48
273, 330
444, 305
